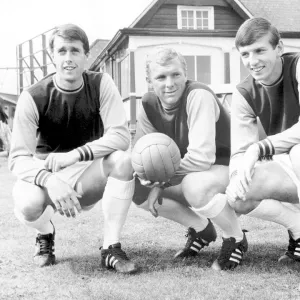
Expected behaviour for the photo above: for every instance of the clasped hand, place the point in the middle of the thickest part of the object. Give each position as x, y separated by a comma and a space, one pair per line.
63, 196
57, 161
155, 193
239, 183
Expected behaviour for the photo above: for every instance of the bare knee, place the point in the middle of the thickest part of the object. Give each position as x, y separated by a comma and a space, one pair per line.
30, 201
118, 165
199, 188
244, 207
199, 194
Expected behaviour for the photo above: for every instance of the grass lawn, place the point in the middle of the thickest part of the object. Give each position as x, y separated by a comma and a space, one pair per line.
151, 243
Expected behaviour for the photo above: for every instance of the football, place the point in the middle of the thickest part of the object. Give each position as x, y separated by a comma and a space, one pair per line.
155, 157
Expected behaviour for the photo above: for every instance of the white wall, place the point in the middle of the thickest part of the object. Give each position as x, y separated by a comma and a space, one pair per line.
214, 47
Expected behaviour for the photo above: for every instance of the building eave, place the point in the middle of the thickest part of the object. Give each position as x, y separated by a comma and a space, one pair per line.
122, 34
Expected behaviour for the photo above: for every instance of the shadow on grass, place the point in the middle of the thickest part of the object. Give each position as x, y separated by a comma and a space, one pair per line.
260, 258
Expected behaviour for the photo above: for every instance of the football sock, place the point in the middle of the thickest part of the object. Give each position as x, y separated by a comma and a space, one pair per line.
116, 201
224, 216
275, 211
179, 213
42, 224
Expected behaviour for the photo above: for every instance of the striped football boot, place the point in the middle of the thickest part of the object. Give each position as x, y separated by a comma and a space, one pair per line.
197, 240
115, 258
231, 254
293, 251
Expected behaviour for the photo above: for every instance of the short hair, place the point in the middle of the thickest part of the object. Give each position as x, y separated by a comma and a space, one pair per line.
70, 32
163, 56
255, 28
3, 116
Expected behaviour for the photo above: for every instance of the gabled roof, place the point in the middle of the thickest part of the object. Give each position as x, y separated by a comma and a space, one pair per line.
148, 12
95, 48
285, 15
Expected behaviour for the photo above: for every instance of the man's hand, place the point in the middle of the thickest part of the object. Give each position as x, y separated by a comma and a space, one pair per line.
239, 184
57, 161
63, 196
153, 197
233, 192
155, 193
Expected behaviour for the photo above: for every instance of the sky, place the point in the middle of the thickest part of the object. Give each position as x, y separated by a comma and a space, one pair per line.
22, 20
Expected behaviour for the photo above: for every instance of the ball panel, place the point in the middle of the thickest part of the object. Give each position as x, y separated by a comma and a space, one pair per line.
166, 161
149, 172
159, 164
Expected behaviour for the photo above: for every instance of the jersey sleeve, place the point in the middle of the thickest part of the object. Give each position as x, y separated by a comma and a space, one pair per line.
116, 133
203, 113
244, 129
21, 159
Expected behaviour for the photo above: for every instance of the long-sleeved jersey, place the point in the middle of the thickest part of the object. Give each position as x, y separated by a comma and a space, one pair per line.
267, 113
199, 125
49, 119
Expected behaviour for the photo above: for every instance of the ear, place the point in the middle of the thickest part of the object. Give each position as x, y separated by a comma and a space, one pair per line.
280, 48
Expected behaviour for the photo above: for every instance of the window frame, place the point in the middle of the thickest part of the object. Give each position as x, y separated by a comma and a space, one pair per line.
209, 9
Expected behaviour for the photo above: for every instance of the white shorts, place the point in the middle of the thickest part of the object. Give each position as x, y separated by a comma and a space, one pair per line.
285, 162
72, 173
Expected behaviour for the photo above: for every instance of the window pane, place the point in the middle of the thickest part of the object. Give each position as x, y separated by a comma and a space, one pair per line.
190, 23
199, 24
205, 14
204, 69
190, 13
184, 23
184, 14
199, 14
205, 23
190, 63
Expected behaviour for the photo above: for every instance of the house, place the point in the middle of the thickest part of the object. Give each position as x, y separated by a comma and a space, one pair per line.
202, 30
95, 48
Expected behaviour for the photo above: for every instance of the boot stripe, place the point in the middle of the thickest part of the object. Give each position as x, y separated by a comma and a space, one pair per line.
195, 249
235, 260
238, 250
114, 262
237, 255
197, 245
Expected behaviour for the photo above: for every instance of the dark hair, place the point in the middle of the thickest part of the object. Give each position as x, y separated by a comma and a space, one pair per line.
70, 32
255, 28
3, 116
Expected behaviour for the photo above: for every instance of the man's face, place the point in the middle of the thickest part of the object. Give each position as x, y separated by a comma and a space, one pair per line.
262, 60
69, 59
168, 82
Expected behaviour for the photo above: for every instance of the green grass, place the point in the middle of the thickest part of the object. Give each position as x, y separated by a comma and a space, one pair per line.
151, 243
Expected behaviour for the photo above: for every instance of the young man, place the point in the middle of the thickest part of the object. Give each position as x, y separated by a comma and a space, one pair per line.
268, 96
70, 134
192, 116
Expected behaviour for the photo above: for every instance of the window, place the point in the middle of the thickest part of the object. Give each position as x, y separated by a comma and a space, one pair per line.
195, 17
123, 78
199, 68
